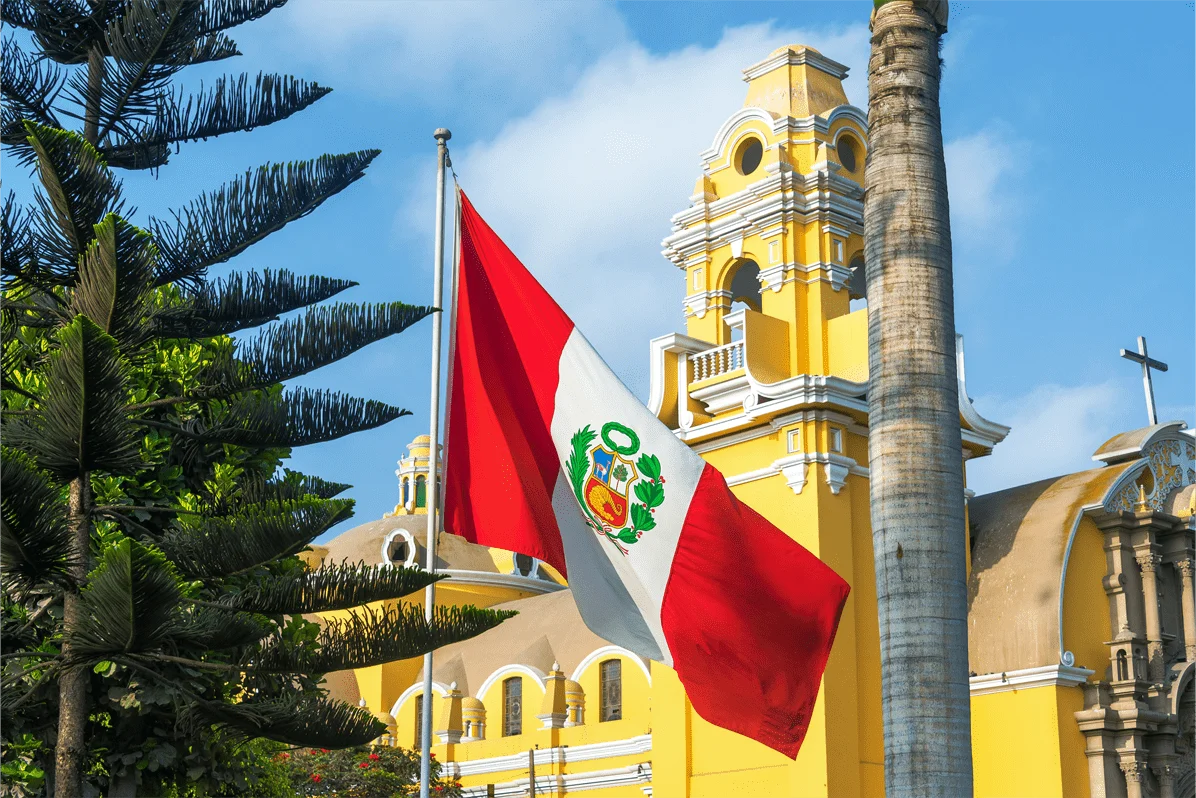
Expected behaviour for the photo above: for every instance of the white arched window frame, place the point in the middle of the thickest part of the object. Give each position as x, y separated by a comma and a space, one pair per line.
405, 536
532, 573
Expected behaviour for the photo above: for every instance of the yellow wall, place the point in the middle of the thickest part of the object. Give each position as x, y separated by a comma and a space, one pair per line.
1026, 744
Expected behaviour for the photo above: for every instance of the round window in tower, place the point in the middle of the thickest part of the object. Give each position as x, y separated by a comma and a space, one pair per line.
749, 155
848, 154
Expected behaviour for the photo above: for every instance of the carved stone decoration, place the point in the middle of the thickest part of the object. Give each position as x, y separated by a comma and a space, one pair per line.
1135, 773
1172, 465
1149, 562
1185, 743
1188, 608
1165, 776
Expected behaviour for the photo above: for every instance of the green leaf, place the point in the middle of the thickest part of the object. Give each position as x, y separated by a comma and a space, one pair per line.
642, 518
30, 88
330, 588
650, 493
211, 547
579, 458
649, 466
116, 280
34, 538
81, 424
368, 637
129, 603
628, 535
77, 191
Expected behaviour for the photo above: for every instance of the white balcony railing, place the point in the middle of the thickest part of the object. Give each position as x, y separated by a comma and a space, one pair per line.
717, 361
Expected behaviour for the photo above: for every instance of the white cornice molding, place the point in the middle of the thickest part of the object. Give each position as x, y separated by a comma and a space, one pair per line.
723, 136
569, 783
673, 343
550, 756
1026, 678
527, 584
790, 57
985, 432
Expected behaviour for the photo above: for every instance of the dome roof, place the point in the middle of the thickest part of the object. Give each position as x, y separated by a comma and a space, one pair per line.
364, 544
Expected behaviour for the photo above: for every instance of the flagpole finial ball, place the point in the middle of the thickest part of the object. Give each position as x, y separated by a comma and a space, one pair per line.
442, 134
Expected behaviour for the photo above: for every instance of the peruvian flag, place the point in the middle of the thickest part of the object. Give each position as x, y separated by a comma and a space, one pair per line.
551, 456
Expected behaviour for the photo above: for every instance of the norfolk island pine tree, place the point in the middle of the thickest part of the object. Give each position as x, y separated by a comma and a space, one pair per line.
148, 533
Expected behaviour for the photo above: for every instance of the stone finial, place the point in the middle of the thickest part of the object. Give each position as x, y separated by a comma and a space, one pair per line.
450, 727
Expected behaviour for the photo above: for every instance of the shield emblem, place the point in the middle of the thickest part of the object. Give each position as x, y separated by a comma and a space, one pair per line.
606, 489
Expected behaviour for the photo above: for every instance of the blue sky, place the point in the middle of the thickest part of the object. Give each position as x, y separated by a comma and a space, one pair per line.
576, 131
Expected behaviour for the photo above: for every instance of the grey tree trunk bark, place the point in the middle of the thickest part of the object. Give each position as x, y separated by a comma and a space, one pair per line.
915, 452
69, 748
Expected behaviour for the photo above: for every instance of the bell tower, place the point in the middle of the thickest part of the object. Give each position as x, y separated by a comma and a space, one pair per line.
769, 382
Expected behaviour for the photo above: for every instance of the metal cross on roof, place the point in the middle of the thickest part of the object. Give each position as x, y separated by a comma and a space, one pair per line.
1147, 363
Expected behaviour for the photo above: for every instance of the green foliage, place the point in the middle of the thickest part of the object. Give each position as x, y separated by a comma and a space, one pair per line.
364, 772
174, 558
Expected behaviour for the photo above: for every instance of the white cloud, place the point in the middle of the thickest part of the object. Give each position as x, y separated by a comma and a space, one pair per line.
982, 172
1055, 430
472, 46
583, 187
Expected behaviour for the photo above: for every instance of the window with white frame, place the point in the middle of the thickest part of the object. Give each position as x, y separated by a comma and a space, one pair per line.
610, 676
836, 440
512, 706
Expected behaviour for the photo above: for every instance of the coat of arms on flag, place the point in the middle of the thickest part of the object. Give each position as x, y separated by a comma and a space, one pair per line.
603, 479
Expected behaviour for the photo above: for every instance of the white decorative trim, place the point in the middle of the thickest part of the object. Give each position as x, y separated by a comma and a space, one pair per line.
795, 467
418, 687
610, 651
1164, 431
533, 574
789, 57
550, 756
989, 433
722, 137
683, 346
1027, 678
699, 304
493, 579
407, 538
795, 476
514, 669
750, 476
569, 783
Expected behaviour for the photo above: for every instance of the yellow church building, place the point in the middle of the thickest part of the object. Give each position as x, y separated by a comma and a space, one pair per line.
1082, 623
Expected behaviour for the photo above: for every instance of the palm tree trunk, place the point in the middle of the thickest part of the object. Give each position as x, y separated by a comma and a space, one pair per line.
915, 453
69, 748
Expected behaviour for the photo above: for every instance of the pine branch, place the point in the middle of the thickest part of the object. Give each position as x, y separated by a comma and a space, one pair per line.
220, 225
213, 547
233, 105
18, 13
308, 722
224, 14
81, 425
243, 300
218, 630
299, 417
34, 539
17, 251
128, 605
323, 335
77, 191
63, 29
333, 587
30, 88
147, 44
115, 282
368, 637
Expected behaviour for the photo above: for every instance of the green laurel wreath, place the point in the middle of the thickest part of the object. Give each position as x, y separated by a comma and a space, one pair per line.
649, 491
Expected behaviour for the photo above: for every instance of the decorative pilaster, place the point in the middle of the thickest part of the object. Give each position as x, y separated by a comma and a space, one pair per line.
554, 712
451, 728
1165, 776
1188, 600
1149, 563
1134, 772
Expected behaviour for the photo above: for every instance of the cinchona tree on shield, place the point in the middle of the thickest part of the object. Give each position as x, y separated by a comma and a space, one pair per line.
915, 454
148, 535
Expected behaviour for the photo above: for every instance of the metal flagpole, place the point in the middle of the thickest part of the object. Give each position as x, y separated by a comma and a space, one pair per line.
442, 136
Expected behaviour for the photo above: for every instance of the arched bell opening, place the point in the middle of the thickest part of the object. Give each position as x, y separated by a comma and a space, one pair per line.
742, 284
